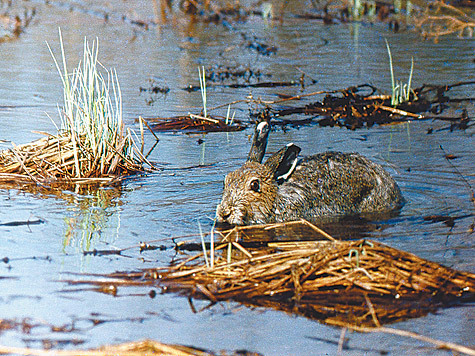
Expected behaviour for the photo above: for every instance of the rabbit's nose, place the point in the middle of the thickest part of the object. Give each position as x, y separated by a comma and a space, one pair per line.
223, 214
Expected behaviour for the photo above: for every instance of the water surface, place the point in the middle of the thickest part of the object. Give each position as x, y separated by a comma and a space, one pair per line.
172, 202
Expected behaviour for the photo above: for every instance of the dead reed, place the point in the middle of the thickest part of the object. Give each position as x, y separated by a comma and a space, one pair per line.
63, 158
139, 348
354, 283
194, 123
440, 18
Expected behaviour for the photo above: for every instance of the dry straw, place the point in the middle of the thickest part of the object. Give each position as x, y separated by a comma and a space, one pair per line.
92, 145
353, 283
138, 348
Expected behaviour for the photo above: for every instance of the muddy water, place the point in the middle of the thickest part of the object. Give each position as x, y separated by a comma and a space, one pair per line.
172, 202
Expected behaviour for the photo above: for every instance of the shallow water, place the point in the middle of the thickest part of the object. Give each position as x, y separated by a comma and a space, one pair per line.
172, 202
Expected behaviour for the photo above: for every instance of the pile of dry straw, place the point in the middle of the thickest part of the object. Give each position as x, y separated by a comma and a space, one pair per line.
353, 283
64, 158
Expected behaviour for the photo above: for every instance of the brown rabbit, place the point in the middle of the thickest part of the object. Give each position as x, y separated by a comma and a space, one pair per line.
284, 188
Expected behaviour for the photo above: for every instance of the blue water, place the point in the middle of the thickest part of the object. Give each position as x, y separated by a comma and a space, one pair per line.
172, 202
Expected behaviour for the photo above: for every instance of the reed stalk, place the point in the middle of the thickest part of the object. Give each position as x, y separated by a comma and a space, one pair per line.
202, 74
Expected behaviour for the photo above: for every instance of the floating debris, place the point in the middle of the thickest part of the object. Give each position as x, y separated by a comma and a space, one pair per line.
440, 19
359, 106
222, 73
355, 283
21, 223
14, 20
194, 123
291, 83
138, 348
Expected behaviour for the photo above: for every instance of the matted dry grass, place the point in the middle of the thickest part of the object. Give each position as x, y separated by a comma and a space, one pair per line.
138, 348
353, 283
64, 158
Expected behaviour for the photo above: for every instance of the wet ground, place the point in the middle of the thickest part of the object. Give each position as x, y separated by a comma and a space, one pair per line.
39, 256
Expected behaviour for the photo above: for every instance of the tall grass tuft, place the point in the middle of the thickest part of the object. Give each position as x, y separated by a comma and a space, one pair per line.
92, 146
92, 115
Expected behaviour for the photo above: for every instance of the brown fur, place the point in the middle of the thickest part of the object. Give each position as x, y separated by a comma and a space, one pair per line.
327, 184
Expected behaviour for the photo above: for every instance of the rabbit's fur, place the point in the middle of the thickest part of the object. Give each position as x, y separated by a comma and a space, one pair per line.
286, 188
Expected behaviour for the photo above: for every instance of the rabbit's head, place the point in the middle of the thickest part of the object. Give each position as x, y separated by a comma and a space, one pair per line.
248, 197
250, 192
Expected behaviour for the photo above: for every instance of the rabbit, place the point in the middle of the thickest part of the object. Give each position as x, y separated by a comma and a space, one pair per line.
286, 188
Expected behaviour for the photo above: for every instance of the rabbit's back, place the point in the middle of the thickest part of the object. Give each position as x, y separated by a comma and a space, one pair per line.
333, 184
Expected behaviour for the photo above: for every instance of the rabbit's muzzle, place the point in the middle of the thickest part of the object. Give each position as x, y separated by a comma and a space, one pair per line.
230, 214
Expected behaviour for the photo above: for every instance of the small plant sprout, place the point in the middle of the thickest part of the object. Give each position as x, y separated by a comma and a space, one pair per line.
400, 92
229, 121
202, 74
212, 243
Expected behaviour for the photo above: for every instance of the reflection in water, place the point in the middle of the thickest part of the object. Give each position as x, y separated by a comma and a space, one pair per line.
344, 228
93, 212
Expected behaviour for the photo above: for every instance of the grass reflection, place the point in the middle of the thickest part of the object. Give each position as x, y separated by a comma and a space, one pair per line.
93, 216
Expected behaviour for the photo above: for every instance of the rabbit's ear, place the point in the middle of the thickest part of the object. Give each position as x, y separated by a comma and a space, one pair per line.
259, 142
283, 162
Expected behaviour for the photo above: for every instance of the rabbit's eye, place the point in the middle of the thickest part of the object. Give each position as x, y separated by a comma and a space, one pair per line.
254, 185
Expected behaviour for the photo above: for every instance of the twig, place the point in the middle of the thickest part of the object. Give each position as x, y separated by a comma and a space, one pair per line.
341, 341
372, 311
317, 229
296, 97
14, 150
242, 249
440, 344
193, 116
150, 129
400, 112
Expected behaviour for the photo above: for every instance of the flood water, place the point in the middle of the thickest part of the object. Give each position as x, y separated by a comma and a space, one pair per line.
173, 201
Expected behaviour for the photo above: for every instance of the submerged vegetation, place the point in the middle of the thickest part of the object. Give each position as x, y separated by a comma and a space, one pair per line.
92, 144
198, 123
14, 19
441, 18
432, 19
353, 108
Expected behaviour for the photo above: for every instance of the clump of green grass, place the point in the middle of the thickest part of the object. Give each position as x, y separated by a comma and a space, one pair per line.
93, 145
401, 93
92, 115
